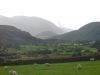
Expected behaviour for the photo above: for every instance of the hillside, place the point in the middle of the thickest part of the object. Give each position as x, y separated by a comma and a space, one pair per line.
46, 35
11, 36
90, 31
33, 25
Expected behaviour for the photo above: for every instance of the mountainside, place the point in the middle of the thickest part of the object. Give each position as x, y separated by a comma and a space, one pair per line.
33, 25
46, 35
91, 31
11, 36
66, 30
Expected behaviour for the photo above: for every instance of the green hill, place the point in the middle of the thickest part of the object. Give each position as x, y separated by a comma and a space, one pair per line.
90, 31
11, 36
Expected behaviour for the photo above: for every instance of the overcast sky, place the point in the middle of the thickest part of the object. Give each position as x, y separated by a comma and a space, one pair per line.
65, 13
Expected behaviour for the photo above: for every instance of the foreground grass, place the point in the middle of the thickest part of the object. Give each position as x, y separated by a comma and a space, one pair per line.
88, 68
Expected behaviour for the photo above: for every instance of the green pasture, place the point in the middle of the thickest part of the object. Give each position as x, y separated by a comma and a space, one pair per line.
88, 68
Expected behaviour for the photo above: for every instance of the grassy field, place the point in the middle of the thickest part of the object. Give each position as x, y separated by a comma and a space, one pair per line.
88, 68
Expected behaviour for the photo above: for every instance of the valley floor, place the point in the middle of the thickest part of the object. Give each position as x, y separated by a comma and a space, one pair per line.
88, 68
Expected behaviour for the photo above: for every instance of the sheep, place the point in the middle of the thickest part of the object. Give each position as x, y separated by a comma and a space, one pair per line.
13, 72
5, 67
47, 64
92, 59
35, 64
79, 66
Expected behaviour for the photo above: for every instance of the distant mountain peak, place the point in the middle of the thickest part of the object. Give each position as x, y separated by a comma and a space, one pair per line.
33, 25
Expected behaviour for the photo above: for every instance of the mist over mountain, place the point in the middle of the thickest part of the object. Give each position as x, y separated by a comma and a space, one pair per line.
33, 25
11, 36
50, 34
46, 35
66, 30
90, 31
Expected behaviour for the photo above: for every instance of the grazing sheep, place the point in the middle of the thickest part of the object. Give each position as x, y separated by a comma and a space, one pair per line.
5, 67
13, 72
47, 64
92, 59
35, 64
79, 66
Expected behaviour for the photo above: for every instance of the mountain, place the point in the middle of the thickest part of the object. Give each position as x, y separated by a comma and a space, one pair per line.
46, 35
51, 34
33, 25
10, 36
66, 30
90, 31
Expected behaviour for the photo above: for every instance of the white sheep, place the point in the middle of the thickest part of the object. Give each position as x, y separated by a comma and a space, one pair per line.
47, 64
5, 67
35, 64
92, 59
13, 72
79, 66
